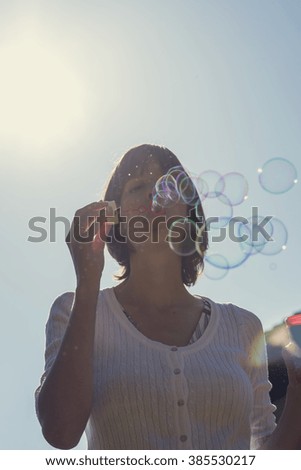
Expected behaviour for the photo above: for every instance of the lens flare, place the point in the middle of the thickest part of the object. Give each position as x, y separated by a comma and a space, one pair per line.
257, 355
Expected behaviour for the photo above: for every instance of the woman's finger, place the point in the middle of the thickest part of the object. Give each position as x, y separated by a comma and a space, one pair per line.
92, 219
85, 221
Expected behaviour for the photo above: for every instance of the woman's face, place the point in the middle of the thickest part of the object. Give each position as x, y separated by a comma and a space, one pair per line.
136, 205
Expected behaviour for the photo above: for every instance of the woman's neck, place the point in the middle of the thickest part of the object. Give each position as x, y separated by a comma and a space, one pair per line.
155, 279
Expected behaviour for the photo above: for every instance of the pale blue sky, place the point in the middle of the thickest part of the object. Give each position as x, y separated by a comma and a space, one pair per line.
216, 81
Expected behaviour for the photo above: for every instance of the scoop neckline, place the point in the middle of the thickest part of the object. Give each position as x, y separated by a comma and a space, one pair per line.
200, 343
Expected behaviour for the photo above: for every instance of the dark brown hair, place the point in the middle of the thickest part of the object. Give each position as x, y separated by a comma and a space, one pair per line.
131, 164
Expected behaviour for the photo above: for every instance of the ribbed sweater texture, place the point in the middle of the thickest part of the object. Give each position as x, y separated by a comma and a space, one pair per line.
211, 394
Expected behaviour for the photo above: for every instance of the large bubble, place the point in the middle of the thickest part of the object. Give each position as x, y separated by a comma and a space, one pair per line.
277, 175
211, 270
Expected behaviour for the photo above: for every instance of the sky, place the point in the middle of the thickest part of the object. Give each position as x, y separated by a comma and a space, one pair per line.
81, 82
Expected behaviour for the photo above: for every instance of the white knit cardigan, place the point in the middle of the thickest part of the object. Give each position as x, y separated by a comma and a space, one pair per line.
212, 394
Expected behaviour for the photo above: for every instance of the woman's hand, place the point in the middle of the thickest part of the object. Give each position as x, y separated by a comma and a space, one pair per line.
86, 240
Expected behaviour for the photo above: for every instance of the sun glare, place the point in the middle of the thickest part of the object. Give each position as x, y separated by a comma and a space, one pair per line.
42, 99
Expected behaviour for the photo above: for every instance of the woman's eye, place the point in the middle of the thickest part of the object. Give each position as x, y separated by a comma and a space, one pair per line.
136, 188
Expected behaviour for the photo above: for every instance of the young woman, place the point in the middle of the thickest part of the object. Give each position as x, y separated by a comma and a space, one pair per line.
146, 364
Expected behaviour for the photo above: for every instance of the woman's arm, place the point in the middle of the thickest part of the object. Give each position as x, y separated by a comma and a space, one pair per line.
65, 397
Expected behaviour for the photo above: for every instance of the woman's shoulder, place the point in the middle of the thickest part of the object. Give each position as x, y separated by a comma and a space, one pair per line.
60, 309
64, 301
243, 317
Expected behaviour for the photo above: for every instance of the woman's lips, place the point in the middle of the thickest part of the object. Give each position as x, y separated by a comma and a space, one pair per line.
149, 209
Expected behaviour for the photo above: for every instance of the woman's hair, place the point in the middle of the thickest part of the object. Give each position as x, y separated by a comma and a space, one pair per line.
131, 164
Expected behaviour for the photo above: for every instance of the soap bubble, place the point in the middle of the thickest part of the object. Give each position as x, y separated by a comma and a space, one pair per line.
234, 186
187, 190
277, 175
254, 238
219, 208
235, 253
232, 240
211, 270
165, 192
166, 185
279, 239
202, 187
176, 171
207, 182
182, 235
174, 186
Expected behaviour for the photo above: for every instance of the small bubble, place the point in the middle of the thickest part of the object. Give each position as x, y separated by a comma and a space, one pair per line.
278, 176
259, 170
278, 237
295, 181
254, 241
150, 172
165, 192
187, 190
129, 174
210, 179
